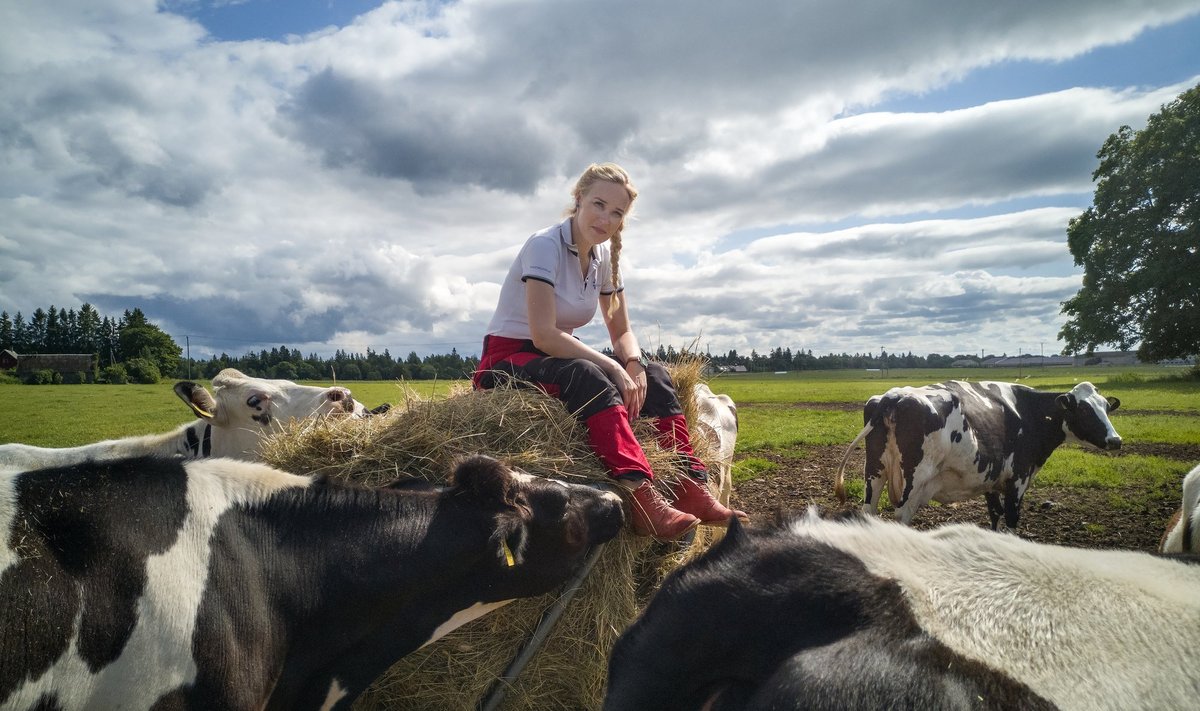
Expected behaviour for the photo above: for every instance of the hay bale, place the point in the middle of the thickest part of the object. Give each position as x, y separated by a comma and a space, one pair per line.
420, 437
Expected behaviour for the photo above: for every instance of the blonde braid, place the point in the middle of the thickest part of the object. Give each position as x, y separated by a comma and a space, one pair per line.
615, 252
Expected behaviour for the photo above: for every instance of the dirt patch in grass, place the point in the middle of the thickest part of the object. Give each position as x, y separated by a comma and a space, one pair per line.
1127, 517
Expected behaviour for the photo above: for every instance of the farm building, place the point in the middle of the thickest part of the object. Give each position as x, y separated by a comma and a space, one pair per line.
57, 362
1027, 361
1107, 358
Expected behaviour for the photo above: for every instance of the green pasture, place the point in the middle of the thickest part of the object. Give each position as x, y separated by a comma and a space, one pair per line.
1139, 387
779, 415
71, 415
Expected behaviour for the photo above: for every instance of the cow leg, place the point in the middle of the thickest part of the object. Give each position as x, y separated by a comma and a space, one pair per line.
873, 471
724, 482
920, 493
908, 510
872, 494
994, 508
1014, 494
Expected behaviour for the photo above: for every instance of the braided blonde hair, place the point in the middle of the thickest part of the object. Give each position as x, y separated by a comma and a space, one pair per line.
613, 173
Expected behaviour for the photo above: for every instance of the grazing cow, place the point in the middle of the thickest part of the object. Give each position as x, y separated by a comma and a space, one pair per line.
716, 420
865, 613
232, 422
954, 440
219, 584
1183, 532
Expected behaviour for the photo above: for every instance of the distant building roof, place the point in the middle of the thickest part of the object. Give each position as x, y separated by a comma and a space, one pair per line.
61, 362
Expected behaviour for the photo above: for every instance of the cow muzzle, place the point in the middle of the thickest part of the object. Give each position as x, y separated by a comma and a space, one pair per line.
343, 403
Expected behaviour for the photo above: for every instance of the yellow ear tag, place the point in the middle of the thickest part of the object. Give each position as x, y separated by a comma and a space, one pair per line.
508, 556
202, 413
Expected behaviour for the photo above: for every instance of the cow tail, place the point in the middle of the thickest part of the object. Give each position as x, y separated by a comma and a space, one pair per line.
839, 485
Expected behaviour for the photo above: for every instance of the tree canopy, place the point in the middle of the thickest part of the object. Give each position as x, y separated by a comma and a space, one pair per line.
1139, 243
141, 339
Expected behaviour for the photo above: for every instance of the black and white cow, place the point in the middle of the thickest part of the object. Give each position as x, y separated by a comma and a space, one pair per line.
866, 613
954, 440
1183, 531
220, 584
233, 422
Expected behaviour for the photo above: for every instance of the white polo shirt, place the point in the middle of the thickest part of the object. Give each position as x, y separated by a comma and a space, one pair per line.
551, 256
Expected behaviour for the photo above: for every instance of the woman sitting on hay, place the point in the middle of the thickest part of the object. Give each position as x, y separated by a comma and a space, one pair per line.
559, 278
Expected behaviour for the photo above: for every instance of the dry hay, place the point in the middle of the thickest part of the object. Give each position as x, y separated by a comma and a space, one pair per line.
420, 437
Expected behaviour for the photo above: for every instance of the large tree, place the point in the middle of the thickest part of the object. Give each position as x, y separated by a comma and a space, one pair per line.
1139, 243
141, 339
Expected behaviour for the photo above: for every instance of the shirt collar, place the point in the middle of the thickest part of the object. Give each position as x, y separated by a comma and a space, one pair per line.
568, 239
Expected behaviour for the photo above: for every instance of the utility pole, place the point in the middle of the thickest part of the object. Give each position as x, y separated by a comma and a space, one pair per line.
188, 342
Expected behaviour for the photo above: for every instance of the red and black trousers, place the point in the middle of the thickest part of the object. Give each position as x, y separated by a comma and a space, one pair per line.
592, 398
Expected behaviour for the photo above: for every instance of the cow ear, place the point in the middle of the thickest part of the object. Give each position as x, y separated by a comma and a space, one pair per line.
734, 536
486, 478
1066, 401
197, 398
1113, 403
509, 539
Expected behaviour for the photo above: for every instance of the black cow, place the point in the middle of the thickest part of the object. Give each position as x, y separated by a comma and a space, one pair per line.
220, 584
866, 614
954, 440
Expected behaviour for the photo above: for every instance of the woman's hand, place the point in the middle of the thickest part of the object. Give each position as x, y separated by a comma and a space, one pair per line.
632, 384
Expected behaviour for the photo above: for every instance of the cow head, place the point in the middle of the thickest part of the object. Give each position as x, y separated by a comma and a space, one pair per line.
239, 400
751, 593
243, 409
542, 527
1085, 416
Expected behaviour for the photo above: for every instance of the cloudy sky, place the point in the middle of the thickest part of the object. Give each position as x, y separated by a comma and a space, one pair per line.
323, 174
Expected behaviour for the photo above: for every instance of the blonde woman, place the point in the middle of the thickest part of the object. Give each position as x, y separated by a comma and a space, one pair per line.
562, 274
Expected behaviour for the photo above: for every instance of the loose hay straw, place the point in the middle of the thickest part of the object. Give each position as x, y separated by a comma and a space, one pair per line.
422, 437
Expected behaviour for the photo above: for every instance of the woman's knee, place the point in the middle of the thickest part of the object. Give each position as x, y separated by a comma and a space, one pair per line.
585, 387
661, 398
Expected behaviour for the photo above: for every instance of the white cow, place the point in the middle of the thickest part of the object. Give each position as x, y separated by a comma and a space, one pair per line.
1183, 532
232, 422
716, 419
864, 613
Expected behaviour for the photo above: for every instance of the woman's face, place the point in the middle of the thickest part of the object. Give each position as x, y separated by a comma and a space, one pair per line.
601, 211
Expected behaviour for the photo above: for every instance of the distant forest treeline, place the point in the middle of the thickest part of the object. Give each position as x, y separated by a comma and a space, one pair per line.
128, 345
787, 359
125, 346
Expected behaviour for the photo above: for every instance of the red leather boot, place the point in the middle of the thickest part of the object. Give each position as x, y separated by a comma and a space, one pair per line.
693, 497
654, 517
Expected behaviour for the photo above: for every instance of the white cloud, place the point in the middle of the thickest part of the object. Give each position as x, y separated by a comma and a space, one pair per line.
374, 181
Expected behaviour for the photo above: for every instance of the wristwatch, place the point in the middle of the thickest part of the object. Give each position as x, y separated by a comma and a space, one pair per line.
640, 359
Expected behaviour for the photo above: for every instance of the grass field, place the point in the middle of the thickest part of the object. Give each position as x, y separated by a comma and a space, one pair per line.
772, 406
793, 430
783, 413
71, 415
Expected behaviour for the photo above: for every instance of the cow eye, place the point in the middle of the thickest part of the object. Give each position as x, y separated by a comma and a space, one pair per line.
253, 401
